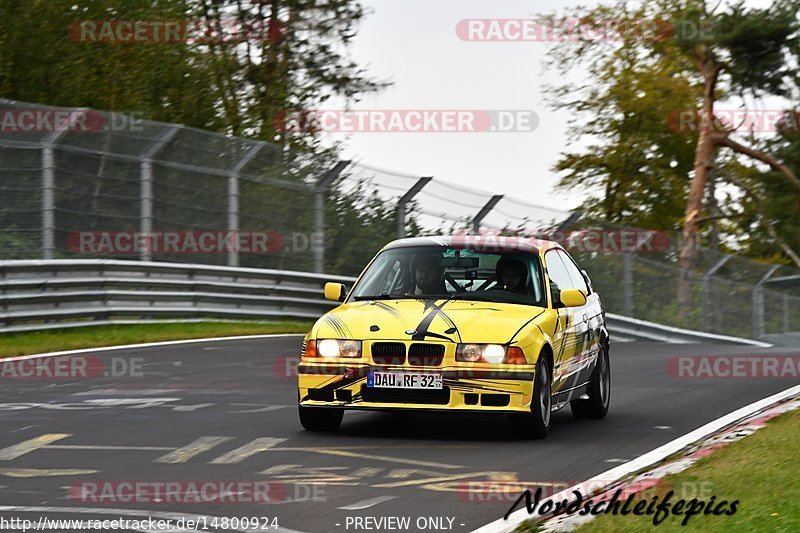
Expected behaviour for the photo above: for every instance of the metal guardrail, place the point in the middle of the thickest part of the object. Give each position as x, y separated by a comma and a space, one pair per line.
50, 291
622, 327
39, 294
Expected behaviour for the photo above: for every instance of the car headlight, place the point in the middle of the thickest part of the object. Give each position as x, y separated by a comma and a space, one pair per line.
494, 353
486, 353
489, 353
339, 348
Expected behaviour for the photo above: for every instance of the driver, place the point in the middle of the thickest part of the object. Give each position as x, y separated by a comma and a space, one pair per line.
511, 275
428, 274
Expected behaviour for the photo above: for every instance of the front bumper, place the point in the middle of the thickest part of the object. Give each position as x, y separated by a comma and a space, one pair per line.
507, 389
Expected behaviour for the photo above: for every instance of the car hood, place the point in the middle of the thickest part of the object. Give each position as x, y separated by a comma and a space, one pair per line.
426, 320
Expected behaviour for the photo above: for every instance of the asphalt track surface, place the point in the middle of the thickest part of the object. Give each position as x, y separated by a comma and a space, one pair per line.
414, 465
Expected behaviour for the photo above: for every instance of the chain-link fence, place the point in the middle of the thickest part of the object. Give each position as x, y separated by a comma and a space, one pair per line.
83, 183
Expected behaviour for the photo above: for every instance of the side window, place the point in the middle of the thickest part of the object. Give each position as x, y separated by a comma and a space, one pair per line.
559, 277
574, 273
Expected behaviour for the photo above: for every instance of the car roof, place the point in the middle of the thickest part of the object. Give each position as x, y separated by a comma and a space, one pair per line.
487, 243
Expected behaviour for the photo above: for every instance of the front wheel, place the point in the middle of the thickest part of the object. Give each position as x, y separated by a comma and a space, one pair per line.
536, 424
321, 418
599, 390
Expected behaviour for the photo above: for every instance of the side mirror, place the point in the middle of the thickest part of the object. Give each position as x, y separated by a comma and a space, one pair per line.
573, 298
335, 292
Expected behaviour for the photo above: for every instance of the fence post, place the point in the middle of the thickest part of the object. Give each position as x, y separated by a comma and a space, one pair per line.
476, 222
146, 187
233, 201
707, 307
401, 205
785, 313
318, 248
146, 206
758, 303
627, 284
49, 187
48, 202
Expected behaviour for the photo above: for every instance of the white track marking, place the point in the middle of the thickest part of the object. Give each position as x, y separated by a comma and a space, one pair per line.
648, 459
148, 345
184, 453
366, 504
255, 446
44, 472
17, 450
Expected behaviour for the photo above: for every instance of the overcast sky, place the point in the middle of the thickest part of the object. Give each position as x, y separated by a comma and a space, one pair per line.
413, 43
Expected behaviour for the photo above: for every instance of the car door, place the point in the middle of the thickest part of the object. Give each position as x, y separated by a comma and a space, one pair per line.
586, 343
564, 338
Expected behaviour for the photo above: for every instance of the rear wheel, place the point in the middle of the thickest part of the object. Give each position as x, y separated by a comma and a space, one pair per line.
536, 424
599, 390
321, 418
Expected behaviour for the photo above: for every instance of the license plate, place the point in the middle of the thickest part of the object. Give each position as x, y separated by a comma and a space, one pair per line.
404, 380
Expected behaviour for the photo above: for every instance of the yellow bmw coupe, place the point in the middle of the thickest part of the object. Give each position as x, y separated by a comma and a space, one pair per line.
508, 326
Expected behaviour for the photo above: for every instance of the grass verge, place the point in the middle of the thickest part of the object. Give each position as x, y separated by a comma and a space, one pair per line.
761, 471
54, 340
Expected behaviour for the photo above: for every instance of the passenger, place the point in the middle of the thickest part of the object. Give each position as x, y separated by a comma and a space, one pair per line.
428, 274
511, 274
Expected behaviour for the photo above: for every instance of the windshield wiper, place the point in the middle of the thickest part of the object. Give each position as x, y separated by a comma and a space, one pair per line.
471, 296
384, 296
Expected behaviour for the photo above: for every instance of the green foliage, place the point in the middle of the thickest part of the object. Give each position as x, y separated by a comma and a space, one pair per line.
288, 54
359, 223
41, 62
758, 43
640, 159
637, 159
776, 197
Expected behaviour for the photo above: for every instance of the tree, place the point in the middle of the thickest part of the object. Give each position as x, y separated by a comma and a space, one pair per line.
239, 69
42, 61
638, 163
748, 51
734, 51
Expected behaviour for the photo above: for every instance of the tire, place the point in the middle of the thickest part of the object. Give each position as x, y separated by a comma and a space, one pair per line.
321, 418
536, 424
599, 390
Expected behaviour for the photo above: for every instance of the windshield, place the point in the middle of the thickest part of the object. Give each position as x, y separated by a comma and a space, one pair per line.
433, 272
